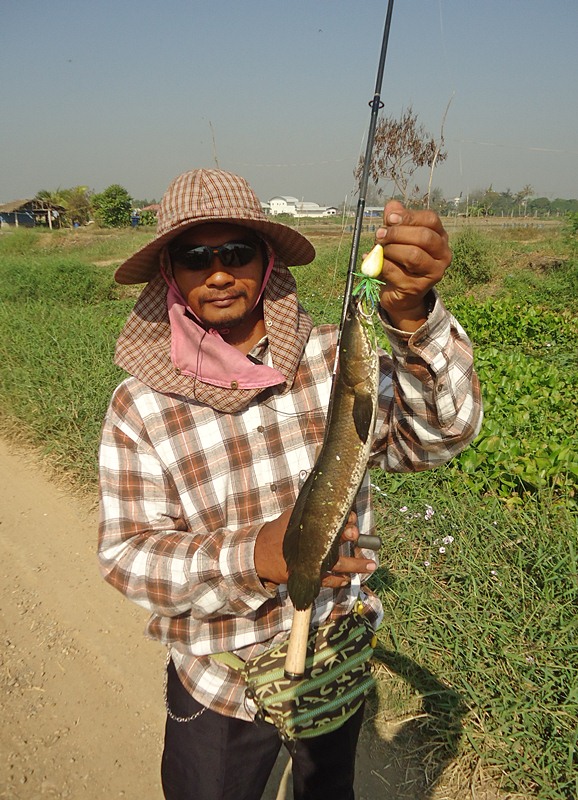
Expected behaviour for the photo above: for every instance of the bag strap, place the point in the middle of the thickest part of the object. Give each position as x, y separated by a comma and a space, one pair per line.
236, 663
230, 660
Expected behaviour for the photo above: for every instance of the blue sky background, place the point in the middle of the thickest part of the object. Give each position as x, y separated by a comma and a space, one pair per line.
135, 92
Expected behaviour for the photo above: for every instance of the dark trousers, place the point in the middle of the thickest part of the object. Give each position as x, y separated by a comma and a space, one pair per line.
214, 757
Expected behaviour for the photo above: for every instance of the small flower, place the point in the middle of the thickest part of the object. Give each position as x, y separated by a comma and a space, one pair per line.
442, 550
376, 488
494, 573
426, 564
403, 509
448, 539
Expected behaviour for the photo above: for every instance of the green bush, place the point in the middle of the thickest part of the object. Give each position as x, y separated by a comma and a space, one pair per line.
513, 324
528, 440
148, 218
53, 279
572, 223
113, 207
526, 362
472, 261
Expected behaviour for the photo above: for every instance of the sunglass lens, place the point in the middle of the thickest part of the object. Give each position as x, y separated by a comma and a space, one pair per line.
230, 254
197, 257
236, 254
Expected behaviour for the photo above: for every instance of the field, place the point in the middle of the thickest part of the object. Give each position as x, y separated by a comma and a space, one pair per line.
478, 657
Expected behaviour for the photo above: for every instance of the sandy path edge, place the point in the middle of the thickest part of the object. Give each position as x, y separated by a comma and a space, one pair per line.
80, 683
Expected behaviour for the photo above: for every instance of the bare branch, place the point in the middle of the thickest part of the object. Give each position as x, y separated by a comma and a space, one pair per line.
401, 147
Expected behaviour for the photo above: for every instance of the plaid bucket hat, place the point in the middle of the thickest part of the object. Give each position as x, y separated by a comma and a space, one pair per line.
212, 195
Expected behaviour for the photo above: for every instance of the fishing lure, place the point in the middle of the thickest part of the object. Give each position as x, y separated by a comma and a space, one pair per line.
368, 289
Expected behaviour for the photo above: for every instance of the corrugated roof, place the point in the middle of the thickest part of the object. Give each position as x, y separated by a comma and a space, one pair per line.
33, 203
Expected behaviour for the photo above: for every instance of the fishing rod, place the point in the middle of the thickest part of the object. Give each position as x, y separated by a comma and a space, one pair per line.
297, 647
376, 105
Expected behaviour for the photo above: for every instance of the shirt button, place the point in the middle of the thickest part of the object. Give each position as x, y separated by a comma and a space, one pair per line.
261, 429
273, 487
234, 385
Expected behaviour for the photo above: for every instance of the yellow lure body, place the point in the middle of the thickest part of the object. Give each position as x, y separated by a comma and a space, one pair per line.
372, 264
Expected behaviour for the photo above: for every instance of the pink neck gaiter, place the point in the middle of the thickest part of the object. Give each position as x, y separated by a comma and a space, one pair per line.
204, 354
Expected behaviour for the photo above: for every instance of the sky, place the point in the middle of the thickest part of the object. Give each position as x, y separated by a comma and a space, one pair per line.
135, 92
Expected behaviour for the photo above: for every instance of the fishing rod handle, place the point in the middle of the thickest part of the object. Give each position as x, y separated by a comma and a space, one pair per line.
368, 542
297, 648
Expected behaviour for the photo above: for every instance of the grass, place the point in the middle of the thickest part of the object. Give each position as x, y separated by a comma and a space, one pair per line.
478, 652
484, 597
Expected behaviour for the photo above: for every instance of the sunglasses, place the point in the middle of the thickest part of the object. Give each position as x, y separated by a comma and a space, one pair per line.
230, 254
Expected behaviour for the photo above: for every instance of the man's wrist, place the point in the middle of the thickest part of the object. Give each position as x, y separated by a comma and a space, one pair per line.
410, 319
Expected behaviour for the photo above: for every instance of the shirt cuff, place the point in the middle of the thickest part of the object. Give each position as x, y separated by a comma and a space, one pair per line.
244, 588
429, 340
431, 299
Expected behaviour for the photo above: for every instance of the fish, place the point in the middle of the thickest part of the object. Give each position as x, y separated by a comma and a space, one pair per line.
311, 541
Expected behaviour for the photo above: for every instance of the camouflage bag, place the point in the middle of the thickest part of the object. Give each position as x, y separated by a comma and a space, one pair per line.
337, 678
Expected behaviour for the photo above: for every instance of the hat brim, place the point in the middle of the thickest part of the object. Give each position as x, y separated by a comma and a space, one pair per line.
291, 247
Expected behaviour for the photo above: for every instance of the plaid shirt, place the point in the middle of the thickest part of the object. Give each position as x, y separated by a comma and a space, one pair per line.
185, 490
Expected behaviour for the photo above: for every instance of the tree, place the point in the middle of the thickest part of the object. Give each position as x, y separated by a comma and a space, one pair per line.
401, 147
539, 206
484, 202
76, 201
523, 196
113, 206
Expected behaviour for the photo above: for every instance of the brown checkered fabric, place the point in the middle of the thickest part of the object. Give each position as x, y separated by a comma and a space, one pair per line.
212, 195
185, 488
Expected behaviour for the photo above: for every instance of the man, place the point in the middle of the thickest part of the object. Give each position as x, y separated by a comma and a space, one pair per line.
207, 443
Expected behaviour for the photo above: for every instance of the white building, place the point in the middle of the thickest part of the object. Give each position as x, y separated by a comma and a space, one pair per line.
285, 204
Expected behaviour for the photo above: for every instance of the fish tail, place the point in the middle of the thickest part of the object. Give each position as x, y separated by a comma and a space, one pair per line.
302, 589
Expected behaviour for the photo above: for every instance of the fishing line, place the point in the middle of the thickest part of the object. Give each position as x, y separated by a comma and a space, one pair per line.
376, 106
333, 290
447, 62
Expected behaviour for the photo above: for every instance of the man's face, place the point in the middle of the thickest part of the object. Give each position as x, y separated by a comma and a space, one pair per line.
221, 296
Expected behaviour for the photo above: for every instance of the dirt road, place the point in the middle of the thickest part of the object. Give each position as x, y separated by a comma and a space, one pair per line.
82, 688
82, 696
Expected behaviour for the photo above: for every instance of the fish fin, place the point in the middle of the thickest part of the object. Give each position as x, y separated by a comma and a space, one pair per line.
302, 589
331, 558
363, 413
292, 537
